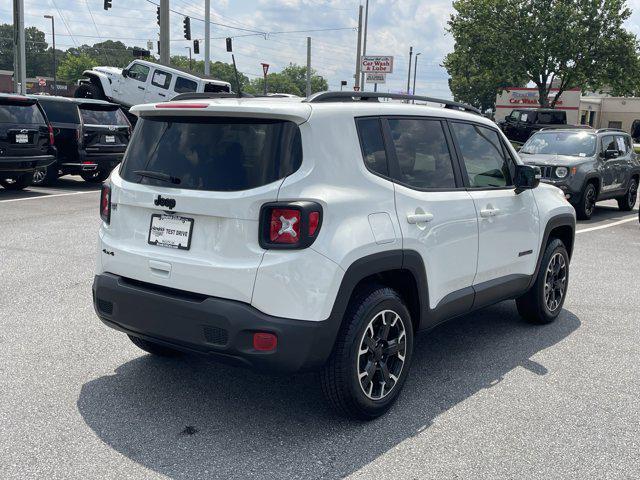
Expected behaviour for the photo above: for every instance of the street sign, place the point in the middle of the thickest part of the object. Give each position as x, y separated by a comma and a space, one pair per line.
42, 82
375, 78
265, 68
377, 63
356, 89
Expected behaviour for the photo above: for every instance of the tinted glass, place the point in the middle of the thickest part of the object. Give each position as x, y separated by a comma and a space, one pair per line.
609, 143
213, 88
161, 79
139, 72
483, 156
422, 152
95, 116
515, 115
184, 85
580, 144
372, 143
61, 112
551, 118
218, 154
13, 112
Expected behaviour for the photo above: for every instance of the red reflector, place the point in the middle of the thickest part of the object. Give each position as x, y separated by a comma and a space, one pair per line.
264, 342
105, 204
182, 105
314, 220
51, 136
285, 225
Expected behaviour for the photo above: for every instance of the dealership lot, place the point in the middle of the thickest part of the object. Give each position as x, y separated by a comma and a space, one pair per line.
489, 396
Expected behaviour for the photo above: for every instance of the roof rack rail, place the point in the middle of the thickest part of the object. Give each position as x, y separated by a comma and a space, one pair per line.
207, 95
375, 96
619, 130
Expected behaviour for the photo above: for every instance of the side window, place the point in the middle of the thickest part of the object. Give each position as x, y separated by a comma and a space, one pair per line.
139, 72
608, 143
621, 144
184, 85
372, 144
558, 118
161, 79
483, 156
515, 115
423, 154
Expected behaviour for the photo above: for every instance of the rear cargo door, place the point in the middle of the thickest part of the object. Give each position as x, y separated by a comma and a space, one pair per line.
105, 128
23, 128
186, 201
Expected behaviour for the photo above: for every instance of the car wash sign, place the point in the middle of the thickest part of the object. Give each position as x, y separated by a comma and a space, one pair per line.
377, 64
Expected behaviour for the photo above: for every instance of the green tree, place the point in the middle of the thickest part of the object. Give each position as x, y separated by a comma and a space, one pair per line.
576, 43
72, 66
38, 55
292, 80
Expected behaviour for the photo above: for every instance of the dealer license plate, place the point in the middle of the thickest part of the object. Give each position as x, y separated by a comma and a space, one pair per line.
110, 139
22, 138
170, 231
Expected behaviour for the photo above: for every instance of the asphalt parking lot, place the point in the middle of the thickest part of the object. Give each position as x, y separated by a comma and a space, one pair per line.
489, 396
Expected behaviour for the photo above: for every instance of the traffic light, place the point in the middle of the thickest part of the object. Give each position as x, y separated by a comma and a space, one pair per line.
187, 28
229, 46
196, 46
158, 15
107, 4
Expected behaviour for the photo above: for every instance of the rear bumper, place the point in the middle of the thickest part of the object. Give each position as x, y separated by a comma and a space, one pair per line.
25, 164
95, 161
212, 326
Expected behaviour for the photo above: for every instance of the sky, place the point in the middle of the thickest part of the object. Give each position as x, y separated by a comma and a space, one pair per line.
394, 26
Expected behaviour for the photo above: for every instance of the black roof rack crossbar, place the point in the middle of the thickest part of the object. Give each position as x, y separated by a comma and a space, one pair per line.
374, 96
617, 130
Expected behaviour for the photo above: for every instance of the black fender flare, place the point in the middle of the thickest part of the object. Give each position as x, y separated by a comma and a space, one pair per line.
561, 220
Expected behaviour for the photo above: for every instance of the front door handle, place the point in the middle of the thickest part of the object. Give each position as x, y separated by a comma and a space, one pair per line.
419, 217
140, 88
489, 212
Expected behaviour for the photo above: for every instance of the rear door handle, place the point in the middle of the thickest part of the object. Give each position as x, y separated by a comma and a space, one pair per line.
140, 88
489, 212
419, 217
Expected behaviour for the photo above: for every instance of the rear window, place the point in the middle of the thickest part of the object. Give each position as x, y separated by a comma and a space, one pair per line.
215, 154
213, 88
61, 112
23, 112
102, 116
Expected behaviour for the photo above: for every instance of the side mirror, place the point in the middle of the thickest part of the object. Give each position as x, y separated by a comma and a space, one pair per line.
527, 177
609, 154
125, 72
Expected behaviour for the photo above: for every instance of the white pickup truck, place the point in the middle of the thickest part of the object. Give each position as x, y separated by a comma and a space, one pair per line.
143, 82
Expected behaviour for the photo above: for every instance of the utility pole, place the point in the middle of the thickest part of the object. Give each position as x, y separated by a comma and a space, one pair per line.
308, 66
19, 57
358, 51
364, 42
53, 36
409, 74
207, 35
164, 32
415, 70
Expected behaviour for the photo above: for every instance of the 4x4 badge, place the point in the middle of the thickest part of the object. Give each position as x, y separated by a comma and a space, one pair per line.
170, 203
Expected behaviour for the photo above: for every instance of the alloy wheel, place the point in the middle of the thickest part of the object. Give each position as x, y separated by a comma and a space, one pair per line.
39, 175
555, 282
590, 201
381, 355
632, 195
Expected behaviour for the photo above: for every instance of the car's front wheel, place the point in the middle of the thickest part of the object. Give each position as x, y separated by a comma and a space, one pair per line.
19, 183
543, 302
628, 201
95, 176
371, 357
587, 203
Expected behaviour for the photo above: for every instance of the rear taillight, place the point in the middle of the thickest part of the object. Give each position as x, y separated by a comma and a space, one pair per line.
51, 136
105, 203
289, 225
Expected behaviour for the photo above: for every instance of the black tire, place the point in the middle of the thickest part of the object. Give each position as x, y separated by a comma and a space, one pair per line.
95, 176
341, 382
89, 90
628, 200
154, 348
19, 183
586, 204
44, 176
534, 306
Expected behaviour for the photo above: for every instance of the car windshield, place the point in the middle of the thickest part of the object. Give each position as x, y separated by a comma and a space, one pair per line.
102, 116
20, 112
579, 144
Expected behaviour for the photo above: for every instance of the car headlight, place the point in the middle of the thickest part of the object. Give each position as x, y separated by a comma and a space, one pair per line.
562, 172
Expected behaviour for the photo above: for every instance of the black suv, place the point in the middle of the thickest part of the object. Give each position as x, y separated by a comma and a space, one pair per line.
522, 123
26, 141
588, 165
91, 137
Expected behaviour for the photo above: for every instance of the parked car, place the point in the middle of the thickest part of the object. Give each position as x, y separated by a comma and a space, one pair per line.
143, 82
26, 141
588, 165
320, 235
635, 131
523, 122
91, 137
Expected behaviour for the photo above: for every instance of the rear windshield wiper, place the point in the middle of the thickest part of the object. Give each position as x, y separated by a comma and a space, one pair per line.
163, 177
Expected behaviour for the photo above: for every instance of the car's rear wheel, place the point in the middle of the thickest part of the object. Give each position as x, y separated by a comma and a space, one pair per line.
371, 357
154, 348
19, 183
95, 176
544, 301
587, 203
45, 175
628, 201
89, 90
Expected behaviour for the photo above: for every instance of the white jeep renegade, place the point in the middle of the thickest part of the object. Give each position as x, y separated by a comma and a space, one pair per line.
322, 234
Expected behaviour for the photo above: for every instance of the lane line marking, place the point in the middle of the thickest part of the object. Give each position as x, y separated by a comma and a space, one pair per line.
600, 227
48, 196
